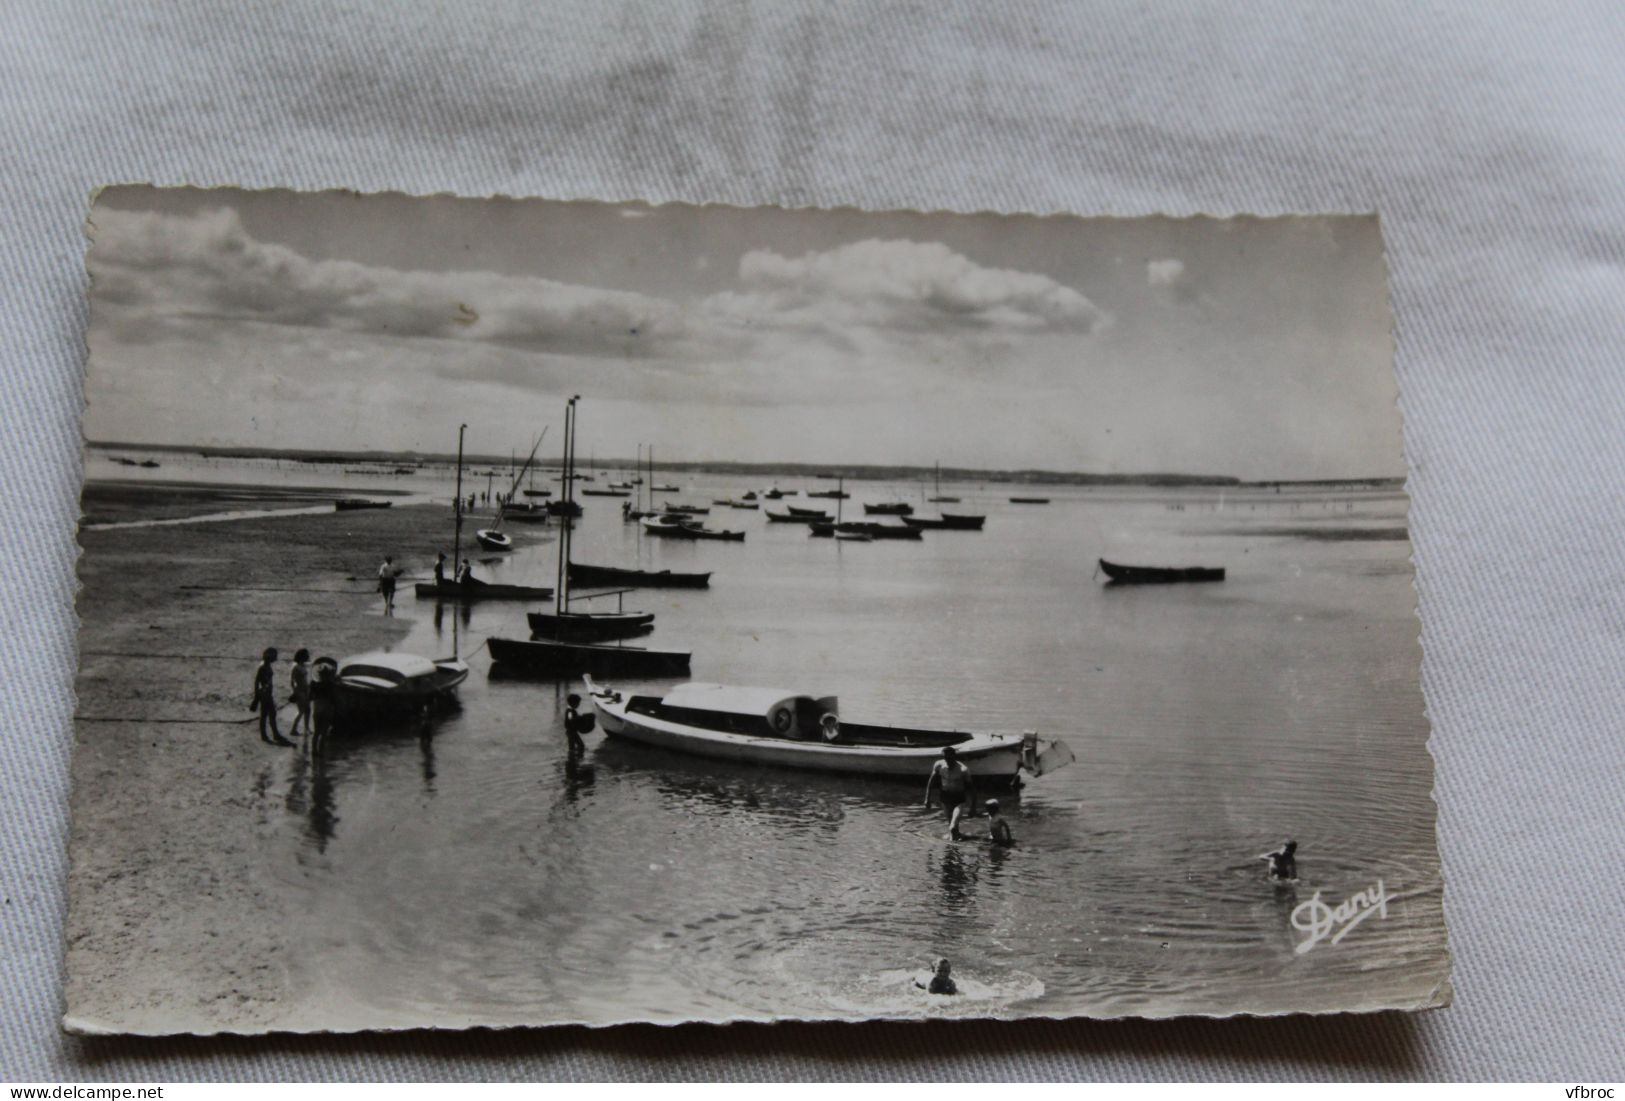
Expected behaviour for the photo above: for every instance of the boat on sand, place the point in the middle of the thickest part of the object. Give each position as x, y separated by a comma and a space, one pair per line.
769, 726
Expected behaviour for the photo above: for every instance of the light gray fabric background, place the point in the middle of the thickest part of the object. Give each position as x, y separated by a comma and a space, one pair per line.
1489, 137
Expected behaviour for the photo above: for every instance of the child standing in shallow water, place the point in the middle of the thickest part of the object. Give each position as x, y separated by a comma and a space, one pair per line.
264, 700
300, 680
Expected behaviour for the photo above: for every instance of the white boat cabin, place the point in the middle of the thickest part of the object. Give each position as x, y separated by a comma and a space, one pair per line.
382, 671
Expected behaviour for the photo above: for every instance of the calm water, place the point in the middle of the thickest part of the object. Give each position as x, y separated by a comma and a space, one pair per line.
469, 876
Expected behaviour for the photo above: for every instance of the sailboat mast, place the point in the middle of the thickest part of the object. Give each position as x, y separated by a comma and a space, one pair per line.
457, 539
564, 515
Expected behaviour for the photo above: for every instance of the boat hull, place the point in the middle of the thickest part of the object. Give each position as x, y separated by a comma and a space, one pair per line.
589, 626
648, 579
357, 705
1159, 575
545, 657
992, 758
452, 590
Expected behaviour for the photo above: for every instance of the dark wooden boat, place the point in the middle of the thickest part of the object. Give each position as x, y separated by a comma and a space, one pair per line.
688, 510
830, 494
1029, 500
816, 513
692, 531
537, 492
564, 508
645, 579
528, 516
745, 504
775, 494
791, 518
948, 521
606, 493
547, 657
863, 527
589, 626
889, 508
1159, 575
353, 504
481, 590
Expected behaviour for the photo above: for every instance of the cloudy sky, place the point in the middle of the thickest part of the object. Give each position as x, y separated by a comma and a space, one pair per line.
1259, 348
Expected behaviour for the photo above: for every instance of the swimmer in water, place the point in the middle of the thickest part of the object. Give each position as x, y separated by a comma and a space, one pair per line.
941, 982
998, 830
1283, 864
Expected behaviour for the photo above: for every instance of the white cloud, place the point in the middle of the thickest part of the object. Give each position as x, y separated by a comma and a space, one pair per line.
907, 286
843, 325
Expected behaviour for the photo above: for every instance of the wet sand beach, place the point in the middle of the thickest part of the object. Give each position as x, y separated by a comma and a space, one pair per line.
170, 810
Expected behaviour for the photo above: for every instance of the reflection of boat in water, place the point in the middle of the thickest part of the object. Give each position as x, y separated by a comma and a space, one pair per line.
382, 685
1159, 575
773, 727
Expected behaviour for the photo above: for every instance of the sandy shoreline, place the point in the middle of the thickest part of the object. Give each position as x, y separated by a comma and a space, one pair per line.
171, 811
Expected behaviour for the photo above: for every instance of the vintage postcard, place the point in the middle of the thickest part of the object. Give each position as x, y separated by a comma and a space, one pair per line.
517, 612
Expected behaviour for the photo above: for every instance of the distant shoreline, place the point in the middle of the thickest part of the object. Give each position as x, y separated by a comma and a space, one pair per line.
810, 471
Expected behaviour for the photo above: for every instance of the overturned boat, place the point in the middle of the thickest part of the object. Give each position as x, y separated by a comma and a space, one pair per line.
788, 729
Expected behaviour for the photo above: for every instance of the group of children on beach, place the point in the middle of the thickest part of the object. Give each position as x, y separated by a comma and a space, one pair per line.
312, 686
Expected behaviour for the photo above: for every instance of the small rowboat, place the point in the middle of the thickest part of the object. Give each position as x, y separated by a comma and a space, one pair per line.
480, 590
606, 493
745, 504
865, 528
815, 513
772, 727
537, 492
665, 489
793, 518
494, 540
948, 521
546, 657
353, 504
646, 579
1029, 500
382, 685
890, 508
688, 510
1159, 575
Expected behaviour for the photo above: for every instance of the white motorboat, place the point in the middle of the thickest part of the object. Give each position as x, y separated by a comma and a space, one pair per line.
379, 685
773, 727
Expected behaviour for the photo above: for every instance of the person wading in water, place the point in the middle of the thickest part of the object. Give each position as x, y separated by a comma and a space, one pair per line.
951, 775
300, 681
264, 700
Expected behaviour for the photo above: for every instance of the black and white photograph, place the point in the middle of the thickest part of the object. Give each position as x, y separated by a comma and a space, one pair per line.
519, 612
